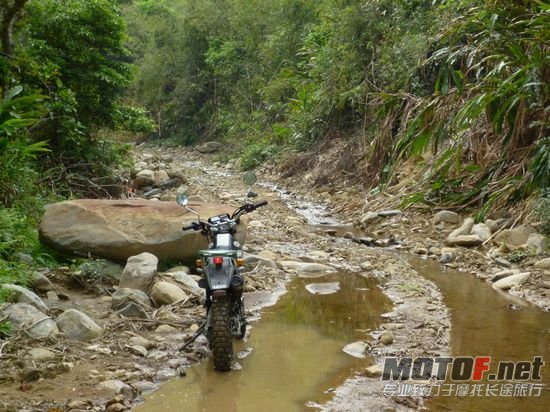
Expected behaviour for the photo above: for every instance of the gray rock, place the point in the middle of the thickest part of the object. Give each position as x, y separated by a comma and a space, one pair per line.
445, 258
25, 258
463, 230
464, 240
503, 274
25, 316
41, 355
139, 272
511, 281
348, 235
125, 295
132, 310
535, 243
166, 293
389, 213
374, 371
40, 282
482, 231
253, 260
186, 282
368, 217
116, 387
161, 178
138, 350
78, 325
144, 178
165, 329
331, 232
356, 349
515, 237
446, 216
386, 338
502, 262
209, 147
543, 263
141, 341
52, 296
119, 229
23, 295
102, 268
150, 193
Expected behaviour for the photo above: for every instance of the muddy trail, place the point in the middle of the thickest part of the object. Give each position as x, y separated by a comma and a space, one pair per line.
327, 303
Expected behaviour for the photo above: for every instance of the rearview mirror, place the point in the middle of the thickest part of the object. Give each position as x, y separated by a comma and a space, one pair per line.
182, 199
250, 178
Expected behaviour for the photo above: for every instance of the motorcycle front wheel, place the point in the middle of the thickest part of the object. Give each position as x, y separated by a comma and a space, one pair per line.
221, 340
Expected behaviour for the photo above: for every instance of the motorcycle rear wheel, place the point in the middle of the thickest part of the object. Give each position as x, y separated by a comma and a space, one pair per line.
221, 340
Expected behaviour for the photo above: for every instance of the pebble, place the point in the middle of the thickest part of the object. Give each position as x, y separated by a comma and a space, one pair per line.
386, 338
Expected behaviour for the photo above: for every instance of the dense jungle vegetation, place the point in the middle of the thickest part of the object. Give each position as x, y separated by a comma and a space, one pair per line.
464, 80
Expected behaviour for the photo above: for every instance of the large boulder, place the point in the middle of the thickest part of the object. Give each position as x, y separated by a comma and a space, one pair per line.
139, 272
78, 325
25, 316
118, 229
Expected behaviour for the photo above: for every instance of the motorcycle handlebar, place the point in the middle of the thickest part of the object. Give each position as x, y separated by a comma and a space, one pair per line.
192, 226
260, 204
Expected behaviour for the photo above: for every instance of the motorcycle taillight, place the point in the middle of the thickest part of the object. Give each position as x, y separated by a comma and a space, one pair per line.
218, 260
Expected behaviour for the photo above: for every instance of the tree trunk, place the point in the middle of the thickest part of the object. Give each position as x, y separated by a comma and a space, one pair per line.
10, 12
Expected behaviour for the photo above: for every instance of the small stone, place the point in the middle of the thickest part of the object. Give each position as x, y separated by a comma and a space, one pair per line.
78, 325
82, 405
330, 232
374, 371
511, 281
535, 243
40, 354
52, 296
165, 329
389, 213
445, 258
446, 216
368, 217
421, 251
464, 240
133, 310
140, 341
116, 407
366, 265
482, 231
194, 327
138, 350
166, 293
40, 282
356, 349
23, 295
502, 262
386, 338
543, 264
515, 237
25, 258
348, 235
503, 274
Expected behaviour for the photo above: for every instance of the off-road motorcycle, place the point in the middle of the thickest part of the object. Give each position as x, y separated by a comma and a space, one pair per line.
222, 267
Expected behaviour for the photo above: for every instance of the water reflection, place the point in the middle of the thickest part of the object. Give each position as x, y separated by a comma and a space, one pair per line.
297, 353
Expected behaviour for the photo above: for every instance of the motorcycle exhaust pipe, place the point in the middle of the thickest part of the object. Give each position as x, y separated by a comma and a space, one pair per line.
237, 286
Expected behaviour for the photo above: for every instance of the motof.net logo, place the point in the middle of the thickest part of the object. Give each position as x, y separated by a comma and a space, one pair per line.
461, 368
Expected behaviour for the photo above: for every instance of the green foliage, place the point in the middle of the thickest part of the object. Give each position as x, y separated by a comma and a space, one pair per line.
17, 153
256, 154
132, 119
542, 213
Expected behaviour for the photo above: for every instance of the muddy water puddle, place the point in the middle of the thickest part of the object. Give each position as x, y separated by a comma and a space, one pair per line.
293, 356
490, 323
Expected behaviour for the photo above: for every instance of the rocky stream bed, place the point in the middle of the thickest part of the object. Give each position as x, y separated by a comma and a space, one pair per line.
97, 336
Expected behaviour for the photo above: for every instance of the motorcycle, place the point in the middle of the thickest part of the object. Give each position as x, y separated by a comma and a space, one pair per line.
222, 267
